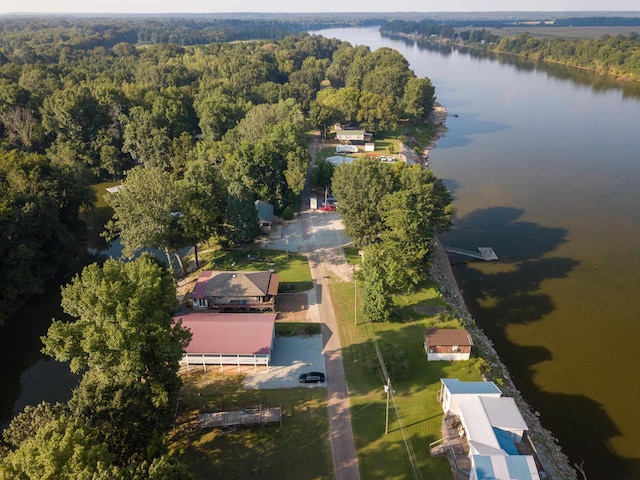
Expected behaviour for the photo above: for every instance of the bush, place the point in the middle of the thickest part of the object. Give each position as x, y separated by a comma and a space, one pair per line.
395, 359
287, 214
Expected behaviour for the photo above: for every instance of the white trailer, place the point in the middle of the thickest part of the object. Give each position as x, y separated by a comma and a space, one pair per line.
346, 149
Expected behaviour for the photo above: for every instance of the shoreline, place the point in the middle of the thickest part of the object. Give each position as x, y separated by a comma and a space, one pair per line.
555, 462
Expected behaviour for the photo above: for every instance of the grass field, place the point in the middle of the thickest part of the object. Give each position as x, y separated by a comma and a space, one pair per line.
297, 449
292, 268
386, 456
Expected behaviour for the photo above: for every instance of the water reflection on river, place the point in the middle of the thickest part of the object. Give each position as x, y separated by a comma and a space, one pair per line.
27, 377
544, 166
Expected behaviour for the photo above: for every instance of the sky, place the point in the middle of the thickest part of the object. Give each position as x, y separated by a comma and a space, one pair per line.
297, 6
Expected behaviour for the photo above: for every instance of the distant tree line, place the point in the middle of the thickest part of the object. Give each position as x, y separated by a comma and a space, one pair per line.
445, 28
41, 33
430, 28
196, 133
618, 56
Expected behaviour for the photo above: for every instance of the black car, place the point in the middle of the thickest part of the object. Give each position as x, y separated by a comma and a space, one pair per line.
311, 377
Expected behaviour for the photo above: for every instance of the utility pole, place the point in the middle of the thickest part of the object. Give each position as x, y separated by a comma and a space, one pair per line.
355, 297
387, 389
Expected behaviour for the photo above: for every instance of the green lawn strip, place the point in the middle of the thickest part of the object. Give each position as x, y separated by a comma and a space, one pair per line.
293, 268
380, 455
294, 329
298, 449
352, 255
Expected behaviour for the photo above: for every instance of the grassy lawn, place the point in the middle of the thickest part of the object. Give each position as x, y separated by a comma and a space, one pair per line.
297, 449
295, 329
293, 268
384, 456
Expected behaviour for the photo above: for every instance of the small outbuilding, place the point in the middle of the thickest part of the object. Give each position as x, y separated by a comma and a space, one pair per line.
265, 215
447, 344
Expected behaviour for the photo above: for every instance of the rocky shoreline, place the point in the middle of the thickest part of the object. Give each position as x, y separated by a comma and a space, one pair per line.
556, 463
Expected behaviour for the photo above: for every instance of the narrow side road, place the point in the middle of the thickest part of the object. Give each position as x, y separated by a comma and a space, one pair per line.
345, 460
343, 446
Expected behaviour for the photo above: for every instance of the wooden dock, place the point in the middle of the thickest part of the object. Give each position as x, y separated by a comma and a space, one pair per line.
484, 253
239, 417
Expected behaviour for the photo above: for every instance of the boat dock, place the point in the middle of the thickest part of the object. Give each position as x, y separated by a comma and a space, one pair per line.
484, 253
240, 417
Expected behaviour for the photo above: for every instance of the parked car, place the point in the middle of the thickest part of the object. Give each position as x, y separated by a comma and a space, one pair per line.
311, 377
328, 208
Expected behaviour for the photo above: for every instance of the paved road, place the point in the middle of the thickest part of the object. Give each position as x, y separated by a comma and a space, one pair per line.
316, 230
344, 449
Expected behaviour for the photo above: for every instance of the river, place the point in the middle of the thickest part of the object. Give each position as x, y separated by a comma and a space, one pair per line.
544, 166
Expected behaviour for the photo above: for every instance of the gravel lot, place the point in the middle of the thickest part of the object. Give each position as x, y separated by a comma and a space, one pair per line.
290, 357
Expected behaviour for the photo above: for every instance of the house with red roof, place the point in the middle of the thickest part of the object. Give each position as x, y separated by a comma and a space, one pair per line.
237, 292
447, 344
228, 338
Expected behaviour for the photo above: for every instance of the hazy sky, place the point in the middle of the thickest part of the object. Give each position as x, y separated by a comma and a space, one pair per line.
213, 6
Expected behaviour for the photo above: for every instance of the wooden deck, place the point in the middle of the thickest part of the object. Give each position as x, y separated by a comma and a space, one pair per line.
454, 447
239, 417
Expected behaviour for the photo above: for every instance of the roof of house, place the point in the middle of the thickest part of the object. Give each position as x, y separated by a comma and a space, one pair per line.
501, 467
339, 159
487, 420
265, 211
448, 336
228, 333
350, 133
214, 283
480, 435
456, 387
503, 413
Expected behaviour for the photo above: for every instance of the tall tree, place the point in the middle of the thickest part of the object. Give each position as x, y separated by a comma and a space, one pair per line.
205, 203
241, 219
125, 343
145, 140
374, 279
124, 326
60, 447
419, 98
360, 187
146, 212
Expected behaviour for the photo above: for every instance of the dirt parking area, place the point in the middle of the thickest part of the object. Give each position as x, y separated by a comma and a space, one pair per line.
292, 307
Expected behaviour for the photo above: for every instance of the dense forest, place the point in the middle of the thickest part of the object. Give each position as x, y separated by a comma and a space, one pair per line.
618, 56
196, 131
219, 125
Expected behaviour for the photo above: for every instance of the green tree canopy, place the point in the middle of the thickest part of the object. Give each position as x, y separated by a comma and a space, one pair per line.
124, 328
360, 187
241, 218
146, 212
60, 448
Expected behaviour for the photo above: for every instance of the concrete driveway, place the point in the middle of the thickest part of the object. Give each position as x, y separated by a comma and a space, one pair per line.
290, 357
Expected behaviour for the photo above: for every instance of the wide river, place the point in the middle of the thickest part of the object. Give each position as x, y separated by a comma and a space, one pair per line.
544, 166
